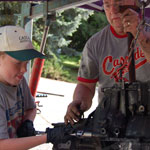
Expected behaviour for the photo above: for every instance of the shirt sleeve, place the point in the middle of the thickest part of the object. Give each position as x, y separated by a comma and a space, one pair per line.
88, 70
3, 121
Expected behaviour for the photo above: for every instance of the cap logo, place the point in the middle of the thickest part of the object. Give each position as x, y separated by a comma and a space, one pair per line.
24, 39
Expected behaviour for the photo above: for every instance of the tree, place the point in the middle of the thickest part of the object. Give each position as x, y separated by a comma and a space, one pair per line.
9, 13
87, 28
64, 26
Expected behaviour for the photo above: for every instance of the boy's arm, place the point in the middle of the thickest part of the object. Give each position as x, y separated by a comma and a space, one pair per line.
30, 114
22, 143
53, 135
27, 129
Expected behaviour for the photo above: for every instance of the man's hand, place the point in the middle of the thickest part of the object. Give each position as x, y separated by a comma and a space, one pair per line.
26, 129
82, 101
130, 20
73, 113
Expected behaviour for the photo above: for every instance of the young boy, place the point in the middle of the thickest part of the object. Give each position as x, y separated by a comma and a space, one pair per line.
17, 107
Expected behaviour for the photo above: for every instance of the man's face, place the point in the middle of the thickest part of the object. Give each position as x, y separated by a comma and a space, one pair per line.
11, 70
112, 10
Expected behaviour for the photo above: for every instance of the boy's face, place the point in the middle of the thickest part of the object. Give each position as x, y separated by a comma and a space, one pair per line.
11, 70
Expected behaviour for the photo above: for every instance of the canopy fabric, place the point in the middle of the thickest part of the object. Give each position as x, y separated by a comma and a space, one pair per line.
98, 6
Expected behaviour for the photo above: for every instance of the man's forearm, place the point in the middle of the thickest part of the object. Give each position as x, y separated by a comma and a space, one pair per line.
84, 94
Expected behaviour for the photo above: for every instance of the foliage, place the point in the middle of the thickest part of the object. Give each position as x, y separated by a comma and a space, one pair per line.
52, 69
65, 24
65, 70
89, 27
9, 13
72, 62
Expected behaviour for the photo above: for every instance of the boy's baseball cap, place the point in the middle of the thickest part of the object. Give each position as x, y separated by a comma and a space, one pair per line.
15, 42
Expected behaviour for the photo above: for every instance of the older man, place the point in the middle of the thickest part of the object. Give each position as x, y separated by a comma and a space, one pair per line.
105, 52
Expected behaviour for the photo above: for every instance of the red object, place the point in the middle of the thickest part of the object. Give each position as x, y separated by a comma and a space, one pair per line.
35, 75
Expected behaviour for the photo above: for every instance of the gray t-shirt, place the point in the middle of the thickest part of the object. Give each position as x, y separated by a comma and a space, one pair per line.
103, 54
14, 101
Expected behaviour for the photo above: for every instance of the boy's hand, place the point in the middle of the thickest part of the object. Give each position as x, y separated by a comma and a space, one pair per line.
59, 134
26, 129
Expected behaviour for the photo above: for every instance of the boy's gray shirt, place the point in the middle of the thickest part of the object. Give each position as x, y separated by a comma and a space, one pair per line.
103, 54
14, 101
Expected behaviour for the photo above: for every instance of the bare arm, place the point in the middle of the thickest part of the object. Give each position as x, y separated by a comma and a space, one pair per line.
84, 93
26, 142
82, 101
30, 114
22, 143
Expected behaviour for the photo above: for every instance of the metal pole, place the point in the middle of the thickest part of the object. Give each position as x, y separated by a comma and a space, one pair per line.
132, 76
39, 63
28, 28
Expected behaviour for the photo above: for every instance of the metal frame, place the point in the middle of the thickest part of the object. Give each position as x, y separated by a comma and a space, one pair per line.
30, 10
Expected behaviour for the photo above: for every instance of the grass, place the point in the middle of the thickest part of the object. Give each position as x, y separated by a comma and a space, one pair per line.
65, 70
71, 65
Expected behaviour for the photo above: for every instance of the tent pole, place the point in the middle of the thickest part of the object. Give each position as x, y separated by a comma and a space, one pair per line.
39, 63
